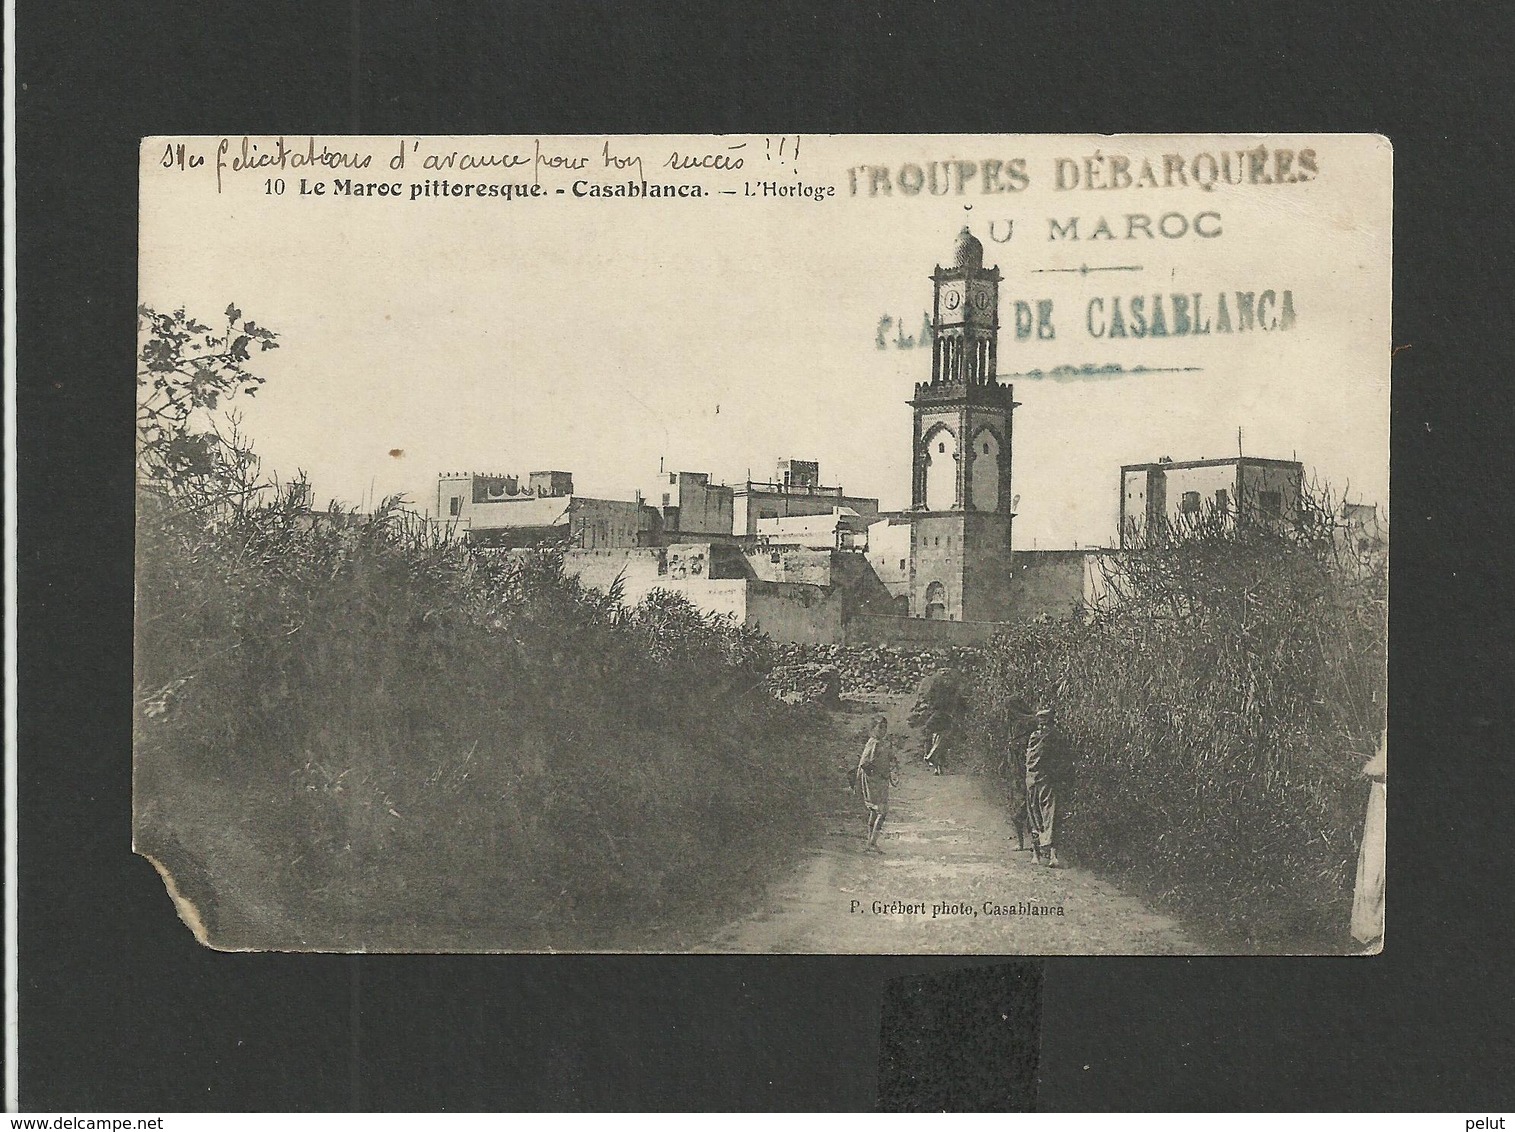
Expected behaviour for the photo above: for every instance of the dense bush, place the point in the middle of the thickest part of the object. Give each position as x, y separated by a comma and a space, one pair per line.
347, 724
1220, 709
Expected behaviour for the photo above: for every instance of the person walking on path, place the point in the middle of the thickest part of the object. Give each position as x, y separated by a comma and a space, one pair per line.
1021, 722
876, 773
1046, 759
937, 709
1368, 895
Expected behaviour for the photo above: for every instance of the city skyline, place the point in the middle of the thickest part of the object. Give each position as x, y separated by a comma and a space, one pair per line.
722, 335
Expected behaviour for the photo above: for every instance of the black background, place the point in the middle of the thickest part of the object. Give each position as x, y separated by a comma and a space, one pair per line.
121, 1010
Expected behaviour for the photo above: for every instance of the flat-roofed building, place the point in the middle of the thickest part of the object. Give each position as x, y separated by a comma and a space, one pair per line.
795, 490
1169, 494
688, 505
494, 511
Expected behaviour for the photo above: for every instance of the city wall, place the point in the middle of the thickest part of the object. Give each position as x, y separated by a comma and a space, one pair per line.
1052, 583
796, 614
1043, 583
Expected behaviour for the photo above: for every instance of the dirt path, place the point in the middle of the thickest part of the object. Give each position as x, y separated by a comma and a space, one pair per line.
949, 881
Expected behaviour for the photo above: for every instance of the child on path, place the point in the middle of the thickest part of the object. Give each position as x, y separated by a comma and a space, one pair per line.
876, 773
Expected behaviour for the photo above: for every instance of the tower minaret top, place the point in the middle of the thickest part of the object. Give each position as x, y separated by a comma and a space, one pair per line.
969, 252
965, 323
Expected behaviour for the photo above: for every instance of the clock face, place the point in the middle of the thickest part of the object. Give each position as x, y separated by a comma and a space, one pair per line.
952, 299
982, 300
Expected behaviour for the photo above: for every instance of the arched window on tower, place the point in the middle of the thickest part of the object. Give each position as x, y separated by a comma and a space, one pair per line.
941, 471
986, 470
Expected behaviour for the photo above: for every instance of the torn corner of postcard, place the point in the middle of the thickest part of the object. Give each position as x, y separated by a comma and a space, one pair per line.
956, 544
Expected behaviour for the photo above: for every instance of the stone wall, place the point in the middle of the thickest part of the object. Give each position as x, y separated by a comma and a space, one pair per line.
1055, 583
864, 670
918, 632
642, 567
795, 614
1046, 583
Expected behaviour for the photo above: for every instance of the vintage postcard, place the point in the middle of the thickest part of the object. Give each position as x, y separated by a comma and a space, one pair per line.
765, 543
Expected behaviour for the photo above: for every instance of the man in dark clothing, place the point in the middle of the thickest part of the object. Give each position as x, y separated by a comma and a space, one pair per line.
1046, 763
830, 681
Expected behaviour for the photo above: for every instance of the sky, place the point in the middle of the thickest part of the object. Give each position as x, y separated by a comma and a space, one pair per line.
721, 334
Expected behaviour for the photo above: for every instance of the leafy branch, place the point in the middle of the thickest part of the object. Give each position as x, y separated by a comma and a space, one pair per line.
186, 371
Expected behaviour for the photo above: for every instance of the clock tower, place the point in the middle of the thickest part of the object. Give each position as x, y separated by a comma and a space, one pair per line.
960, 492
